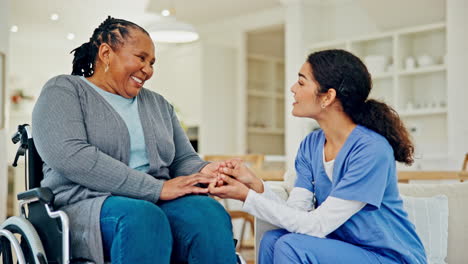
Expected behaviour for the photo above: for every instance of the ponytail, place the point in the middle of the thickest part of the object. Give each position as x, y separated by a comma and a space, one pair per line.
347, 74
383, 119
83, 59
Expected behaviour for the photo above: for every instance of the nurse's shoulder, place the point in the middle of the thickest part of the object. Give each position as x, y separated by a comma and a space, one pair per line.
372, 142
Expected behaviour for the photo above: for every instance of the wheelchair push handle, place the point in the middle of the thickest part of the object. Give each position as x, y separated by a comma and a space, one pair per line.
16, 137
21, 135
20, 152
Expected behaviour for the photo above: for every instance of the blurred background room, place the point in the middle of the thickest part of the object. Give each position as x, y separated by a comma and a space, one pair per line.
229, 76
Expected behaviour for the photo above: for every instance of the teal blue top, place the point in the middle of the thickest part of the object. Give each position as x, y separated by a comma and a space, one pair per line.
128, 110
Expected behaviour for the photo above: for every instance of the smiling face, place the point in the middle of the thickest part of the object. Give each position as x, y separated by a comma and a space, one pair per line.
130, 65
307, 100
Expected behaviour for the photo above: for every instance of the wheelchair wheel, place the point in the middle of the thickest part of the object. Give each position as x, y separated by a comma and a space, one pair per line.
8, 242
30, 242
240, 259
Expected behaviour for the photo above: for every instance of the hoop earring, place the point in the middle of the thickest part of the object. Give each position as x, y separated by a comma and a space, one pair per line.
107, 68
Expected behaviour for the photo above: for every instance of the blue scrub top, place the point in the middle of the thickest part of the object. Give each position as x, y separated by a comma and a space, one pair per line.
364, 171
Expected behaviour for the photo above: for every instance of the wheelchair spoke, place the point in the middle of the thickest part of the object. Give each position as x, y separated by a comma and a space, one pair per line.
29, 250
12, 242
5, 251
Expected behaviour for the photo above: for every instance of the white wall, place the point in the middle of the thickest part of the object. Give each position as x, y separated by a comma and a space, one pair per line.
206, 79
177, 77
219, 103
4, 45
457, 94
348, 20
37, 59
34, 60
200, 80
232, 32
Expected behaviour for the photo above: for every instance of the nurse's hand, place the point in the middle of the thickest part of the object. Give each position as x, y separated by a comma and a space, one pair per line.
184, 185
231, 188
211, 168
237, 169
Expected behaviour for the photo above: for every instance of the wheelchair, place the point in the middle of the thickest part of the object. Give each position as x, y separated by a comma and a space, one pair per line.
40, 234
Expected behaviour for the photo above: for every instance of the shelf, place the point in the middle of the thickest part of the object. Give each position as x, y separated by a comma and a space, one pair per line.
265, 100
260, 93
397, 86
265, 58
382, 75
422, 29
373, 37
260, 82
423, 112
264, 130
424, 70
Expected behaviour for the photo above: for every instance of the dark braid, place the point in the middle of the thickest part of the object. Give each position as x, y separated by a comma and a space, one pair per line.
112, 31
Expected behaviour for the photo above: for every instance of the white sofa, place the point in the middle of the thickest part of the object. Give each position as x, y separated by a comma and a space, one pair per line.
457, 194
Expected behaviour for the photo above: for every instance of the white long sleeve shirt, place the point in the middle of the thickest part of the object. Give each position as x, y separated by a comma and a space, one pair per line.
297, 214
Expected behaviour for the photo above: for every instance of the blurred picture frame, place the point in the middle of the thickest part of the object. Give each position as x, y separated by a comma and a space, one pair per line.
2, 89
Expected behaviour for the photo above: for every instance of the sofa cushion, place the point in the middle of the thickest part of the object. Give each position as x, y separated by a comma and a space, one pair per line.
457, 194
289, 179
430, 217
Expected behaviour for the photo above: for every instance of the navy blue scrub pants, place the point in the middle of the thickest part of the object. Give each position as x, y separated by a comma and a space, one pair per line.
190, 229
280, 246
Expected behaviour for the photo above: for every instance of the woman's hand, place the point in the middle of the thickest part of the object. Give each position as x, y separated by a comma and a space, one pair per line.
231, 188
183, 185
211, 168
237, 169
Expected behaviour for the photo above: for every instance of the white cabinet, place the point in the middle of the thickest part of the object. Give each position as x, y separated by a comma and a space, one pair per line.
409, 72
265, 105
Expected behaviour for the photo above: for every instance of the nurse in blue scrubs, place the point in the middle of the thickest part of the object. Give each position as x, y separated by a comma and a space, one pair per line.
345, 206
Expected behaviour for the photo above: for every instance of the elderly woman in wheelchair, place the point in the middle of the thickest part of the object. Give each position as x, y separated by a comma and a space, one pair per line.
119, 164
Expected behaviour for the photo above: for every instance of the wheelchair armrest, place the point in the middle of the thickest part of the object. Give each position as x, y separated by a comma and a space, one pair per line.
44, 194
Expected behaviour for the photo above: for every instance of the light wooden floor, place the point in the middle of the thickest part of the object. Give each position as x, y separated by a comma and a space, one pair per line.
248, 255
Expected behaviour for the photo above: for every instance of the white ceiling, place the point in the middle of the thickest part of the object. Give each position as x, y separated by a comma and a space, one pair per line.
391, 14
82, 16
205, 11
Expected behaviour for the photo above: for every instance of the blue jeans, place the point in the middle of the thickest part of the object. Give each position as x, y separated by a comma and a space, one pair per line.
281, 246
190, 229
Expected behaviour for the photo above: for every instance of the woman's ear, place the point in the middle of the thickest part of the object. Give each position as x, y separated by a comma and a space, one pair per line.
330, 97
104, 53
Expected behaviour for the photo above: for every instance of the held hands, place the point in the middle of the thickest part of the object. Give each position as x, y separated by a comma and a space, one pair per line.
234, 181
237, 169
211, 168
183, 185
229, 189
228, 179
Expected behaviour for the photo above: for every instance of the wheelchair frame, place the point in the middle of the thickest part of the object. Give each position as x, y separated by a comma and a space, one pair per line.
39, 225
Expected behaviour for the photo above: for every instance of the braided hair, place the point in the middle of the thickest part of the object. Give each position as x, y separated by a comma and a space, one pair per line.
112, 31
344, 72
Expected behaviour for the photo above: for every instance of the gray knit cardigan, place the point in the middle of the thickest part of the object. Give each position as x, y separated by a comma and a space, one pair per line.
85, 145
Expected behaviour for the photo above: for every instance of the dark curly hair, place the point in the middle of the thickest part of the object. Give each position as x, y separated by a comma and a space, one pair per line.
347, 74
112, 31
